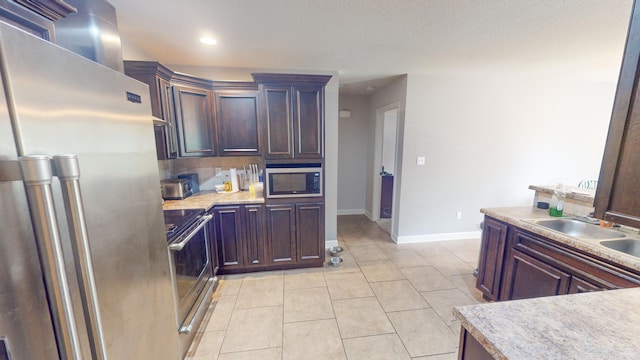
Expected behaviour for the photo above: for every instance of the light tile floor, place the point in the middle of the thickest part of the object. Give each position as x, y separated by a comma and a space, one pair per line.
385, 301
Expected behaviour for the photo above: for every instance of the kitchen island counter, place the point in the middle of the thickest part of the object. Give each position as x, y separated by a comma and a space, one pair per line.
597, 325
208, 199
522, 217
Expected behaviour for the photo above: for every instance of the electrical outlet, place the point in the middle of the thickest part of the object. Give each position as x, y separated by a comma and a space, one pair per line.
421, 160
459, 215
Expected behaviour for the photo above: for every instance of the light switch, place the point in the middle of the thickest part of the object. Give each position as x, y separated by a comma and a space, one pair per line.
421, 160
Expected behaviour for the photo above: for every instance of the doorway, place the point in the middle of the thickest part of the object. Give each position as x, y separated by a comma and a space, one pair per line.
385, 174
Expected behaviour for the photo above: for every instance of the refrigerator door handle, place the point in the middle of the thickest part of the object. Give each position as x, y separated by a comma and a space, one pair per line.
67, 169
37, 175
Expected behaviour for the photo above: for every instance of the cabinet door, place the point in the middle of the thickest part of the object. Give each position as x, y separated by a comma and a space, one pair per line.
277, 121
165, 95
308, 125
194, 120
619, 180
577, 286
229, 236
494, 238
529, 277
281, 234
254, 234
213, 241
310, 232
237, 122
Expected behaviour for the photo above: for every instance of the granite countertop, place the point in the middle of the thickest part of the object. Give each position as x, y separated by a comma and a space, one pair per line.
521, 217
598, 325
208, 199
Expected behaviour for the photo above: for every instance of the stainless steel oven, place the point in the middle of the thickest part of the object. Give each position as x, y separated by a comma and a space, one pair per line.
293, 180
191, 270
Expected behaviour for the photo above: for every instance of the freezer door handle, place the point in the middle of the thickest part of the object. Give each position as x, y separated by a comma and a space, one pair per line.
67, 169
37, 175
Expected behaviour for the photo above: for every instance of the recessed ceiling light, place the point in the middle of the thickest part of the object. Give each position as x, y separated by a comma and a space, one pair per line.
208, 40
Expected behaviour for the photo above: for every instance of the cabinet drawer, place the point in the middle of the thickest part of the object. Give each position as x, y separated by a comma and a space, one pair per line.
592, 270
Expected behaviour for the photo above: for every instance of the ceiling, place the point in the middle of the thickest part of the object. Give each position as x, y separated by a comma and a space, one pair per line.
369, 42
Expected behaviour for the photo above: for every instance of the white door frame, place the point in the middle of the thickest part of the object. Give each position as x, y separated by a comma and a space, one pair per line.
377, 162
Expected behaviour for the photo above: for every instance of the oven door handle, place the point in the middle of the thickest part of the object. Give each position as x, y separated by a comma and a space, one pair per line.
180, 245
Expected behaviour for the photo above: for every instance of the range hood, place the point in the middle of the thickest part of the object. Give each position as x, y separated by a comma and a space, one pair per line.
92, 32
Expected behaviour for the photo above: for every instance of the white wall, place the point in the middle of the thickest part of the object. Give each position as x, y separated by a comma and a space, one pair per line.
487, 137
353, 140
393, 93
389, 140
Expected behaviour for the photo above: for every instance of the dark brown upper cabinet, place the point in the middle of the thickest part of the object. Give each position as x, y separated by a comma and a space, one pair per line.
193, 101
239, 131
618, 190
35, 16
292, 114
158, 77
51, 9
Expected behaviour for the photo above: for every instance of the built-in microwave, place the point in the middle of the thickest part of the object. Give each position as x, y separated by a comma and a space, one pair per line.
293, 180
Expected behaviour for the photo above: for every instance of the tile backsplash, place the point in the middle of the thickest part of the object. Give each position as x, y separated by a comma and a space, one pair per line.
205, 167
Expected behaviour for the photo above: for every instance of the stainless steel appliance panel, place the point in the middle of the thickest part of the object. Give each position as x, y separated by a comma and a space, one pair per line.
24, 313
64, 103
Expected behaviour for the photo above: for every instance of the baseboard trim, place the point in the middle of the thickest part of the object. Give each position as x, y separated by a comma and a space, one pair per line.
350, 212
438, 237
368, 214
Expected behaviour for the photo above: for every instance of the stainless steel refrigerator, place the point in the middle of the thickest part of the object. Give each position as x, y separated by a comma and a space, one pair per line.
84, 267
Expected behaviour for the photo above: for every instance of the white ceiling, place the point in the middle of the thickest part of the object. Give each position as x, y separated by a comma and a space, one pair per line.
369, 40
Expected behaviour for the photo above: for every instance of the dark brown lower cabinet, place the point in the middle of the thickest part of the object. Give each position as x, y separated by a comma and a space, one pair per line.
278, 236
530, 278
281, 233
296, 233
518, 264
240, 236
213, 241
310, 232
494, 239
470, 348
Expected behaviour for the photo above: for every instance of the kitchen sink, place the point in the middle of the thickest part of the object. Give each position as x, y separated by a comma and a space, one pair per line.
579, 229
627, 246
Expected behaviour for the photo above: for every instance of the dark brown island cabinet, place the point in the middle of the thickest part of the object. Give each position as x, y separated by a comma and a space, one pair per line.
292, 112
518, 264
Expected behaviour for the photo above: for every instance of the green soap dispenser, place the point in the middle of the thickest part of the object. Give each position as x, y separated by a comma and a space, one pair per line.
556, 208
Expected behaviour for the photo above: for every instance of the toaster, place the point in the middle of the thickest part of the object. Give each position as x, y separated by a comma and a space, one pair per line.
175, 189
